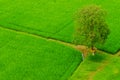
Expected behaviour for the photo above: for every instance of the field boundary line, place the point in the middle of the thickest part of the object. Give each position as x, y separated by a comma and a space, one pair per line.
64, 26
46, 38
38, 36
54, 40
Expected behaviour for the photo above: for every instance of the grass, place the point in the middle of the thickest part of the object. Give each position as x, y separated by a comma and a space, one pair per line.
98, 67
110, 71
25, 57
45, 18
53, 18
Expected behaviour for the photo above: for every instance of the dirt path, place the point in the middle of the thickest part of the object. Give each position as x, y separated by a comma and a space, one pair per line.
81, 47
118, 54
92, 74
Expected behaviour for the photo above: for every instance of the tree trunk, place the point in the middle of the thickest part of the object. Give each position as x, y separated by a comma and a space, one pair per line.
93, 50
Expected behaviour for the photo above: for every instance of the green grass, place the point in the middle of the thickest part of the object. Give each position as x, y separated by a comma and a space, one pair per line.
53, 18
25, 57
45, 18
109, 72
98, 67
89, 65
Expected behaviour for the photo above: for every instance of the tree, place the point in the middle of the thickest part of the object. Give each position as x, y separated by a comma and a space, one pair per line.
91, 28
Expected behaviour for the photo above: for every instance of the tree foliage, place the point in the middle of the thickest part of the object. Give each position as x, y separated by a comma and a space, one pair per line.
90, 26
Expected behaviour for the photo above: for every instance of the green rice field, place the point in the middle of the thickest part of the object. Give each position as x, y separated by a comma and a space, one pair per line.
98, 67
30, 31
25, 57
54, 18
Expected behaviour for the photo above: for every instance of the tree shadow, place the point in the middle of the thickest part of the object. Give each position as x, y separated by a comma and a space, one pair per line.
97, 57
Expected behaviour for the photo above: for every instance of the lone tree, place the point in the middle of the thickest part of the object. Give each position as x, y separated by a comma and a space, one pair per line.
91, 28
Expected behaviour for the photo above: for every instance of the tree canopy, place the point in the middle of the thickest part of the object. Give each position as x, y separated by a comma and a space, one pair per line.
90, 26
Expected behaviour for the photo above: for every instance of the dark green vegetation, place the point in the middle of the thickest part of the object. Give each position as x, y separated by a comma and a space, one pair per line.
25, 57
98, 67
91, 28
53, 18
